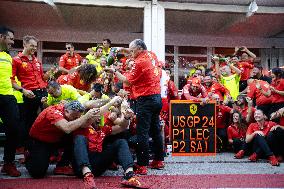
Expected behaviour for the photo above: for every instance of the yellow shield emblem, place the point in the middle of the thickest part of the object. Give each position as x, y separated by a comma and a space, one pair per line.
91, 131
193, 109
24, 64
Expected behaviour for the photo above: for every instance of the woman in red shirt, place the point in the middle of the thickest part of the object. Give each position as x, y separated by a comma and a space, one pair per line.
277, 89
257, 135
276, 138
237, 133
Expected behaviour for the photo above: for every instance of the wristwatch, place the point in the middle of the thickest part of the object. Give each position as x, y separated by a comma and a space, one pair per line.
21, 90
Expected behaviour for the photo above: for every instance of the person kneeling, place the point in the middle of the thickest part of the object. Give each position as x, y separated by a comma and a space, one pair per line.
92, 158
47, 132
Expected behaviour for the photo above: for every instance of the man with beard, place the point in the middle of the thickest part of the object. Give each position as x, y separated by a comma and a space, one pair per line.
259, 91
222, 114
144, 78
9, 111
245, 106
216, 88
194, 91
50, 132
256, 73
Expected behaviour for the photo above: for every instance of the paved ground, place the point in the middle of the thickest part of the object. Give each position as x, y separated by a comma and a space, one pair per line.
222, 163
214, 169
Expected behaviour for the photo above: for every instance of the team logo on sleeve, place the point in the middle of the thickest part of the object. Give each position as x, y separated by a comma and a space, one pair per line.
156, 71
25, 65
58, 112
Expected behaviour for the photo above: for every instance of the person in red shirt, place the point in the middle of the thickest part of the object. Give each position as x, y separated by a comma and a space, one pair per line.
245, 64
259, 91
257, 135
69, 60
194, 91
277, 89
93, 155
237, 133
144, 78
49, 131
257, 73
222, 115
29, 72
215, 88
245, 106
277, 139
246, 68
278, 114
128, 88
172, 89
81, 79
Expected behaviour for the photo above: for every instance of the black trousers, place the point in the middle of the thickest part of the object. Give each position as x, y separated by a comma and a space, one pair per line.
10, 116
261, 147
23, 130
148, 123
223, 143
99, 162
275, 140
37, 160
132, 104
239, 144
31, 106
243, 85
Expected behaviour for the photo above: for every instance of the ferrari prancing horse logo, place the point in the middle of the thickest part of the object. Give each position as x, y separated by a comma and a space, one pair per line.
193, 109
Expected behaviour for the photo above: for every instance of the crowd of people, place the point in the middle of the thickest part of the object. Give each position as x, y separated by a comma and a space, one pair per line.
92, 113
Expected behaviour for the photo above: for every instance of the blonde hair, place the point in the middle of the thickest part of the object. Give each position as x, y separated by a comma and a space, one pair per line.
27, 38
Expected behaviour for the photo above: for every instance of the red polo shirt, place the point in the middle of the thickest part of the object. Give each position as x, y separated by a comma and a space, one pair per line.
128, 89
255, 93
44, 129
28, 72
95, 137
278, 85
145, 75
245, 67
281, 122
74, 80
221, 114
235, 132
68, 62
219, 89
189, 94
266, 128
172, 91
107, 121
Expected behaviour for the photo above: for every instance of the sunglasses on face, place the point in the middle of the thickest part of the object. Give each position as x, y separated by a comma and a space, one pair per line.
68, 48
